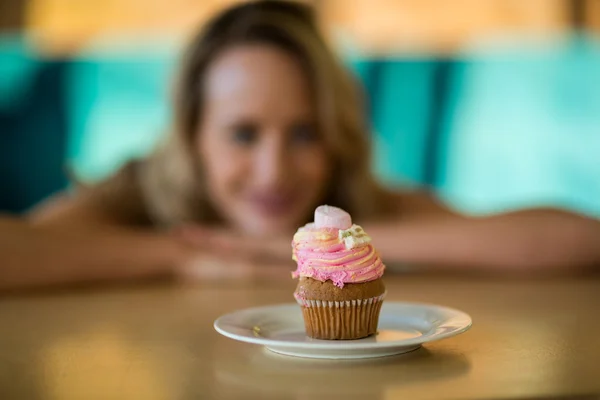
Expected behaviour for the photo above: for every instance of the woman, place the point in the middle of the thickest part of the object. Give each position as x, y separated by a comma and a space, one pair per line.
268, 125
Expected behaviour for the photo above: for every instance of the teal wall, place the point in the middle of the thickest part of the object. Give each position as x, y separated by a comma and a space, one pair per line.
118, 110
524, 130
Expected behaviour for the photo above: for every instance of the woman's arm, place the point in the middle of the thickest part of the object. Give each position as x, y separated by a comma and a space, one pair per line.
35, 254
95, 234
542, 240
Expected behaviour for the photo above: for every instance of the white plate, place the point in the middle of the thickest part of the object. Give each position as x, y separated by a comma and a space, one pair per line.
403, 327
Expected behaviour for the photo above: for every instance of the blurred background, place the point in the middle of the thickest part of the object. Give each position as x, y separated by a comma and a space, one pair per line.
494, 104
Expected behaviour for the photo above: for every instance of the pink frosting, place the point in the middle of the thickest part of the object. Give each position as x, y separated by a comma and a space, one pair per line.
323, 256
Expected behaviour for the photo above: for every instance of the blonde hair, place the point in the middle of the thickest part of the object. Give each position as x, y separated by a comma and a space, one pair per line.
171, 180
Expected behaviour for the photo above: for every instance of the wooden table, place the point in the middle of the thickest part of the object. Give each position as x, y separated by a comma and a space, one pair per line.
529, 339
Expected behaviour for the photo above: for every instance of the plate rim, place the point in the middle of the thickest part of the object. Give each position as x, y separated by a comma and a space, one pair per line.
351, 344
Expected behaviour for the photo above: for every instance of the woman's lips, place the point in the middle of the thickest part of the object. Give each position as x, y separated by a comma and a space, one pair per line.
272, 203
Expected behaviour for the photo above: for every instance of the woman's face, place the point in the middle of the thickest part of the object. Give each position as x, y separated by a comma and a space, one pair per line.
265, 163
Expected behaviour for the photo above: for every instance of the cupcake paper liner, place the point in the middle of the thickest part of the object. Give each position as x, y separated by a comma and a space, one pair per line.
341, 320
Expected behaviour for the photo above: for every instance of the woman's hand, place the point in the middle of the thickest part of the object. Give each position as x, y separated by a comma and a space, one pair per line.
217, 268
220, 255
229, 244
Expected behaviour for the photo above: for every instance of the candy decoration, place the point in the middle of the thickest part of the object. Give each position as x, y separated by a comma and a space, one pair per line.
332, 217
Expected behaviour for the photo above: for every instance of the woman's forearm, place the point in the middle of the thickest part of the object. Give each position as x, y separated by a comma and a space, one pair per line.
39, 256
534, 240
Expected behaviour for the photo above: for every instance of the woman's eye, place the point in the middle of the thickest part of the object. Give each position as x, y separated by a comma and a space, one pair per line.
245, 134
303, 133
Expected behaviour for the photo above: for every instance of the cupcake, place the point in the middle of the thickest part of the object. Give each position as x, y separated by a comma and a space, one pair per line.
339, 290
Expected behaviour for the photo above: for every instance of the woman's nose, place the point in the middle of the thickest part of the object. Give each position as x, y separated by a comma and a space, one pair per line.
272, 161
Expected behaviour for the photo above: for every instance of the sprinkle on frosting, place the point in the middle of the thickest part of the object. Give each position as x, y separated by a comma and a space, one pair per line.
354, 237
340, 255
